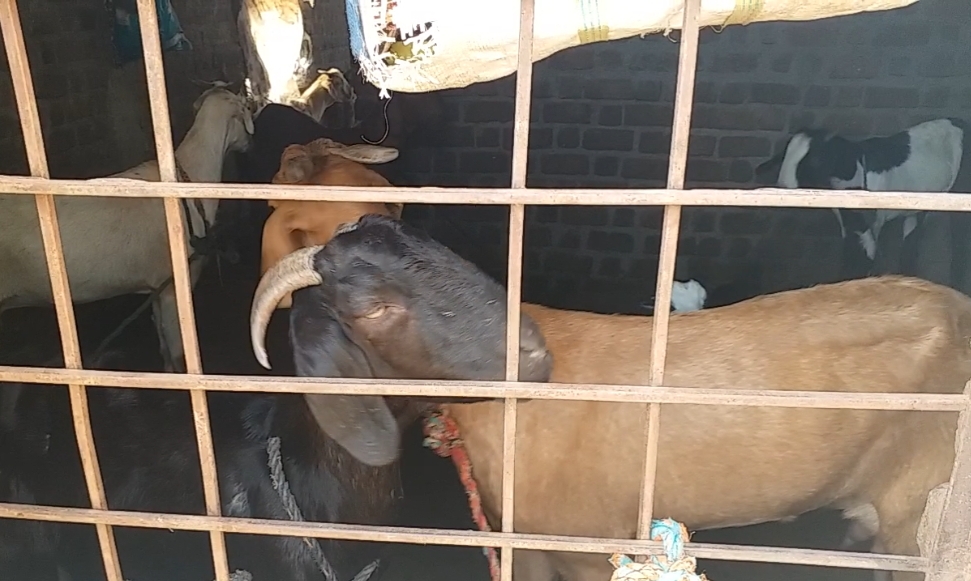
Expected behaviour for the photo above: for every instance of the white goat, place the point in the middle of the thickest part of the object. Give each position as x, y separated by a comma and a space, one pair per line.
115, 246
276, 47
924, 158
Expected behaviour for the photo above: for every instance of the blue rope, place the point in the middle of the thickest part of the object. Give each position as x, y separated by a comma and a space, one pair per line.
672, 566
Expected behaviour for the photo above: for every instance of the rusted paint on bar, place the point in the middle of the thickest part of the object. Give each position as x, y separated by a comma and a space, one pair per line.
161, 123
514, 280
462, 538
670, 230
760, 197
952, 540
492, 389
16, 50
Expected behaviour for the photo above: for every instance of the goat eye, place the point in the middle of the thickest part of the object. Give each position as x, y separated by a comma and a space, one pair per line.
377, 312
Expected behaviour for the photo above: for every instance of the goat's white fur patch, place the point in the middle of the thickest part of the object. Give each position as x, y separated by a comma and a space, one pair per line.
239, 504
796, 150
864, 524
869, 243
688, 296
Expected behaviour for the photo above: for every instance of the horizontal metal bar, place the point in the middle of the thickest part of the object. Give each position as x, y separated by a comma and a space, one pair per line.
459, 538
762, 197
492, 389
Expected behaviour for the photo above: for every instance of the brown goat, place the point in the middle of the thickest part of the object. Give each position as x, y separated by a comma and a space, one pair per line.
295, 224
725, 466
733, 466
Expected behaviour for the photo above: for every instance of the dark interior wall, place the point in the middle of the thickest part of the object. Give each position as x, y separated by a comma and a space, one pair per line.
601, 117
95, 115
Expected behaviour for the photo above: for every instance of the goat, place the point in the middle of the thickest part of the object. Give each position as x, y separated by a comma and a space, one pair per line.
294, 224
928, 157
114, 246
276, 47
149, 461
280, 125
721, 466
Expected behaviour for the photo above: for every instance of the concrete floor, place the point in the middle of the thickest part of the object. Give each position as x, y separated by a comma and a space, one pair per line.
434, 496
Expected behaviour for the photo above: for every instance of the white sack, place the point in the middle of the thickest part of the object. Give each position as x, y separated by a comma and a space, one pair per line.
455, 43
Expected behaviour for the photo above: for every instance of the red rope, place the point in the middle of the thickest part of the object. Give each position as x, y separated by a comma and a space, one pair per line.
442, 436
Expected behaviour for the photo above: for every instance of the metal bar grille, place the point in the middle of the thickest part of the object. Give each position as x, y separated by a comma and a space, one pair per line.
517, 217
761, 197
670, 229
16, 49
948, 563
162, 128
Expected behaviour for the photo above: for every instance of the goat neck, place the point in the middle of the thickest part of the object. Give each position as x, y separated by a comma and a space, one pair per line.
202, 154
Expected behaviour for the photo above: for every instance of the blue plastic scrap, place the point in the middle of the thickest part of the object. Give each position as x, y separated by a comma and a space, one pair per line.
127, 37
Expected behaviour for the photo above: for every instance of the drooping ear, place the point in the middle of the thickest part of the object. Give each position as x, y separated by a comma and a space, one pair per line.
361, 153
280, 238
370, 154
296, 165
362, 424
395, 210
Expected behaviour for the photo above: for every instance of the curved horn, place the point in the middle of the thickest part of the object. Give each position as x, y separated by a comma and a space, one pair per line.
294, 271
363, 425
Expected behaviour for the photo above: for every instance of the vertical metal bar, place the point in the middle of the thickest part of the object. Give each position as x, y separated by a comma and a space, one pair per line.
680, 133
155, 75
517, 212
16, 49
951, 555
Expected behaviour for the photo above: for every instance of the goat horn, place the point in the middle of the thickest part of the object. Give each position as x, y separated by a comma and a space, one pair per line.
293, 272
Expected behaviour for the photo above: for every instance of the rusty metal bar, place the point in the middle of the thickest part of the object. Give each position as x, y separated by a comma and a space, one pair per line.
162, 127
16, 50
493, 389
760, 197
461, 538
952, 540
670, 230
514, 280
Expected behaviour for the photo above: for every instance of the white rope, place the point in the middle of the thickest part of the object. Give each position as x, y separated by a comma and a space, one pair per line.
279, 482
278, 479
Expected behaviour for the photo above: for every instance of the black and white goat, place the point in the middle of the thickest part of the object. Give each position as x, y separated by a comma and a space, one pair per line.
928, 157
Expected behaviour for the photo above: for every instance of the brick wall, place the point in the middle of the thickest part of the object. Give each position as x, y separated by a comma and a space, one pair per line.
66, 41
601, 117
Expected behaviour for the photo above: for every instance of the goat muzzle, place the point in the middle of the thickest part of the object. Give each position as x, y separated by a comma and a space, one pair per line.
293, 272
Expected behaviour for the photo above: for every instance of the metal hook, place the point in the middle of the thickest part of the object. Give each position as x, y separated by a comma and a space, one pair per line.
387, 127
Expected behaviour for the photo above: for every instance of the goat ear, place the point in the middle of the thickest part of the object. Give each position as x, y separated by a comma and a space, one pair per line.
279, 240
363, 425
296, 165
371, 154
395, 210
